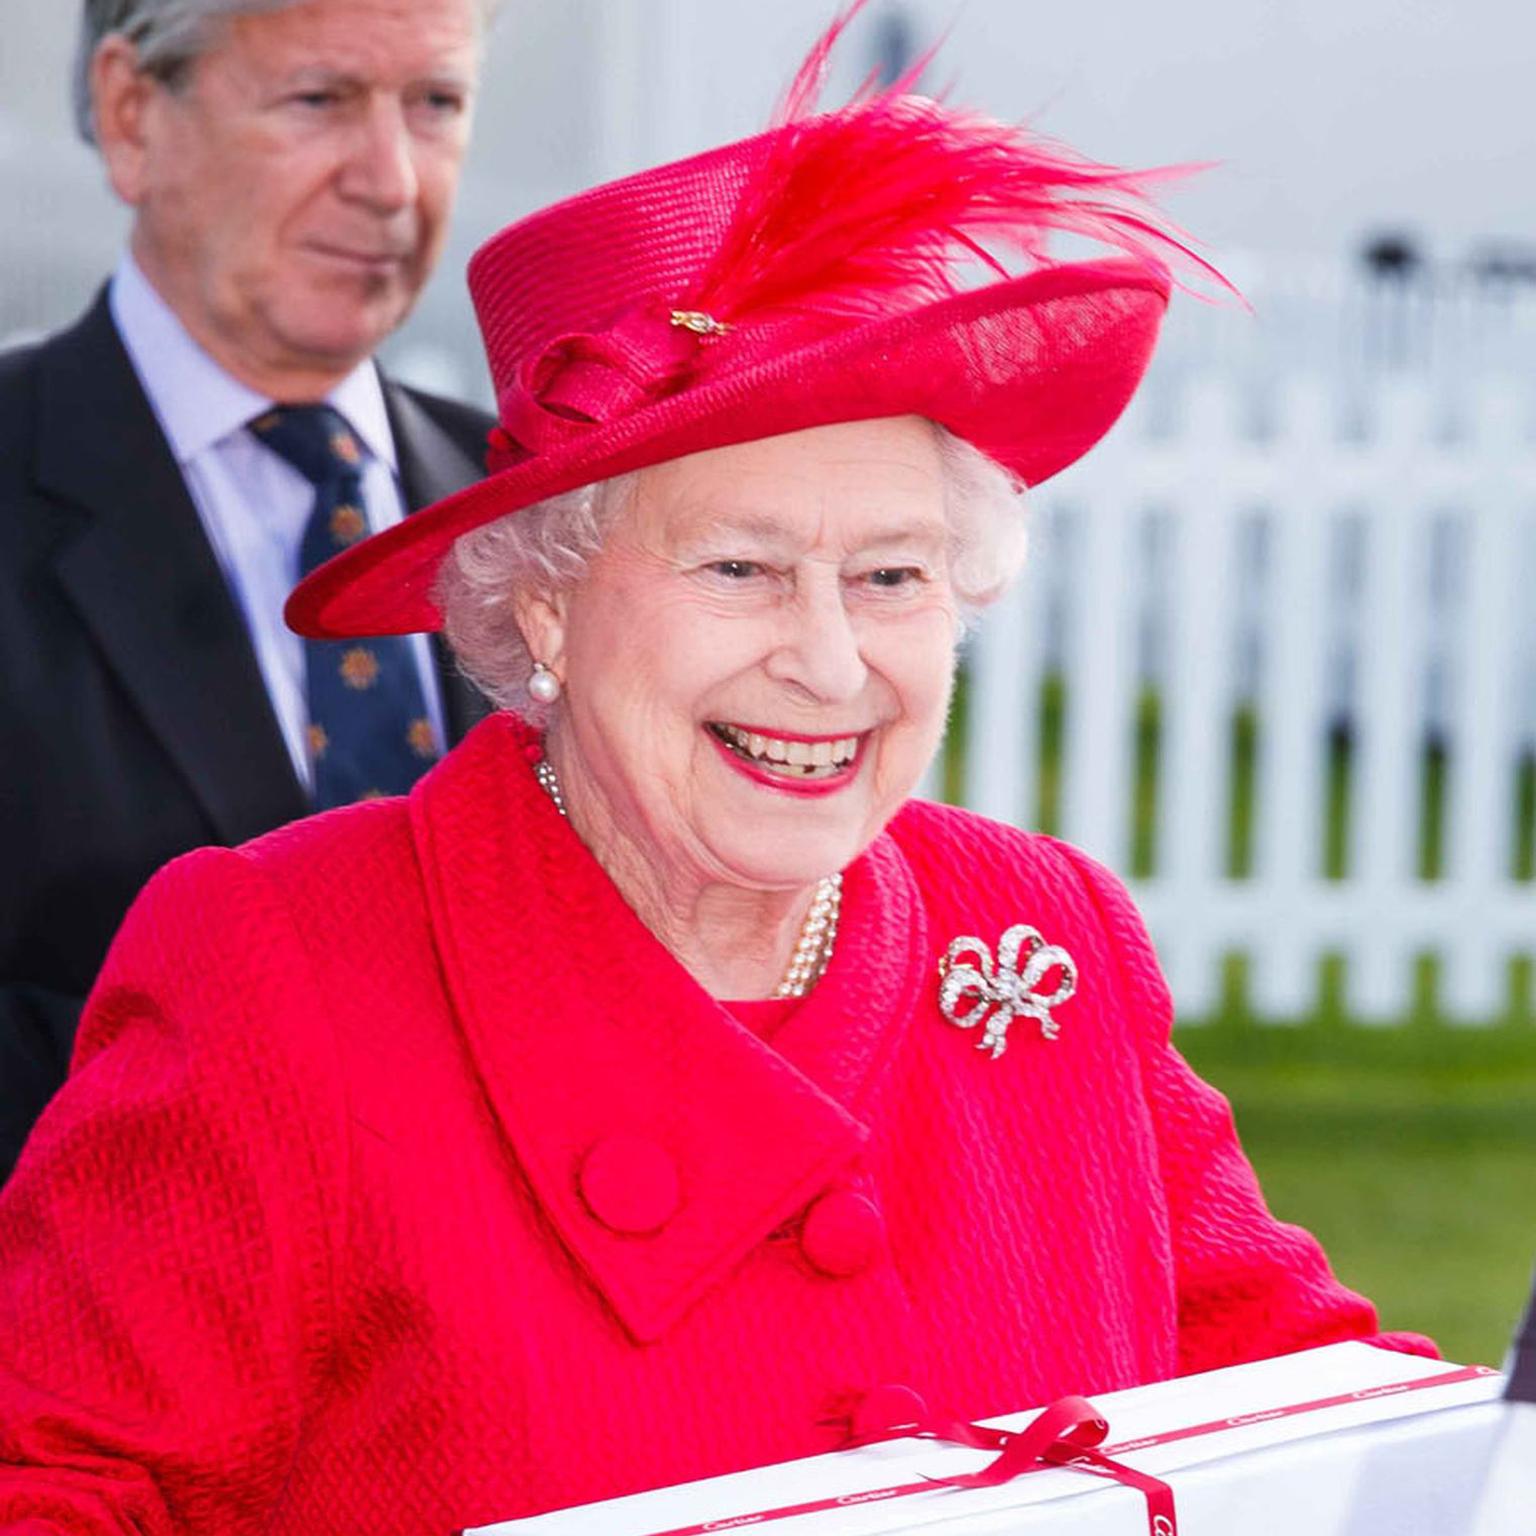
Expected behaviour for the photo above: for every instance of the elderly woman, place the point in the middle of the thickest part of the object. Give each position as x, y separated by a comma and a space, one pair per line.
610, 1111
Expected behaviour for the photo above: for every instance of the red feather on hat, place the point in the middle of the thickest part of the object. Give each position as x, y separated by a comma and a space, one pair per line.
883, 203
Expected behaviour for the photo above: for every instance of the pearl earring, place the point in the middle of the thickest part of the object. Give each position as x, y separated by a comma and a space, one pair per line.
543, 686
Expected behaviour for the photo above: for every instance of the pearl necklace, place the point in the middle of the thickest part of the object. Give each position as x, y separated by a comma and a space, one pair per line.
818, 934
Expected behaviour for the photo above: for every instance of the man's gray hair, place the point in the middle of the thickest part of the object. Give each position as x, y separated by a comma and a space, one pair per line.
169, 36
546, 547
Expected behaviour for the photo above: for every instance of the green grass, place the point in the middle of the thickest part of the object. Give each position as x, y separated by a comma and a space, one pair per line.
1411, 1153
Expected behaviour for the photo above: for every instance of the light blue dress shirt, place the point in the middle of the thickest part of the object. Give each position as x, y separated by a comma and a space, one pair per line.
252, 503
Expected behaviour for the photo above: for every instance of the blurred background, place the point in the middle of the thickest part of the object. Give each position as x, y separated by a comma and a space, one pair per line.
1274, 658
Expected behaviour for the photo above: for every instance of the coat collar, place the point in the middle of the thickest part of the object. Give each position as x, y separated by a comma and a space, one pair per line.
584, 1028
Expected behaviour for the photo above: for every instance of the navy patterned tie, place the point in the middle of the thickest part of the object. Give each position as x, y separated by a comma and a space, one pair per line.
369, 731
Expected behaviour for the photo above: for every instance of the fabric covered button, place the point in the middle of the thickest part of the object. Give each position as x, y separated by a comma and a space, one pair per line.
883, 1409
630, 1184
842, 1233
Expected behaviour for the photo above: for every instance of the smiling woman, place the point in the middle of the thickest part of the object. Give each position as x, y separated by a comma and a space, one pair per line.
658, 1089
795, 590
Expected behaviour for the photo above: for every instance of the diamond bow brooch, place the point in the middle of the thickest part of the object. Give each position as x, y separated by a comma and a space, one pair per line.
977, 992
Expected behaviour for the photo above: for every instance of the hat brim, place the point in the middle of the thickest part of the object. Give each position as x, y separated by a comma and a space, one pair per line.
1032, 371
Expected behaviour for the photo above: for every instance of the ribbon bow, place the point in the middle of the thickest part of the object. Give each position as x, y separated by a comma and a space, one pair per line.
977, 992
1066, 1434
587, 378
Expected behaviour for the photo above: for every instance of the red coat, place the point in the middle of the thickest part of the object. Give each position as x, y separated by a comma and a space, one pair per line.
404, 1183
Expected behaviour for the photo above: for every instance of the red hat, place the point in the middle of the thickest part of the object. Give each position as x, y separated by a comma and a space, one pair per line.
811, 274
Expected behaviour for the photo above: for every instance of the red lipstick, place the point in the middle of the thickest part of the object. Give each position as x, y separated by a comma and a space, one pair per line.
804, 788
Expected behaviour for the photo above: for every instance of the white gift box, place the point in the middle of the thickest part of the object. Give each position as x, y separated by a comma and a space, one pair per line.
1508, 1505
1348, 1440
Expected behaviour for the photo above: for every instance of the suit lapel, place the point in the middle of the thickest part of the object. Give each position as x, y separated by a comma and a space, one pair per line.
433, 465
145, 582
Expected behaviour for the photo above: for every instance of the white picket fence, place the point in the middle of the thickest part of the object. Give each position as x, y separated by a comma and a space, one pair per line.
1359, 556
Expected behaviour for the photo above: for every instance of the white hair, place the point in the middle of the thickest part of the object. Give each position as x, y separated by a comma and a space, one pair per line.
545, 548
169, 36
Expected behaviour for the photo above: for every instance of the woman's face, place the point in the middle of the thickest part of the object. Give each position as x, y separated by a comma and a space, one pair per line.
757, 665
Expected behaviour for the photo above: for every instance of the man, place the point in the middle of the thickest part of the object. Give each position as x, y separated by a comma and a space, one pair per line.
211, 428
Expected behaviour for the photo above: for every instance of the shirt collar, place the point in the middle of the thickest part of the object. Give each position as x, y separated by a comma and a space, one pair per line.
197, 403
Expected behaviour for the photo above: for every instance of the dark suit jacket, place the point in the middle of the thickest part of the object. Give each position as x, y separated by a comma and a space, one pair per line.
134, 722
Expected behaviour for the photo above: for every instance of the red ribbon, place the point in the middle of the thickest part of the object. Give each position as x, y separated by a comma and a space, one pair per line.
1066, 1434
1063, 1435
